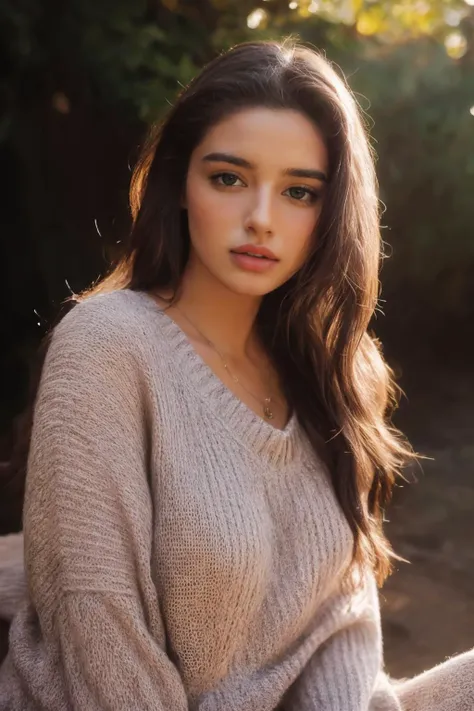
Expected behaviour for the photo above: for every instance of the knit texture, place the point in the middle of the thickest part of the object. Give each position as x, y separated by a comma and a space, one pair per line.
180, 552
12, 577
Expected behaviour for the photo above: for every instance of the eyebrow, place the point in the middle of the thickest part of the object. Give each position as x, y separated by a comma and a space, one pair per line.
242, 163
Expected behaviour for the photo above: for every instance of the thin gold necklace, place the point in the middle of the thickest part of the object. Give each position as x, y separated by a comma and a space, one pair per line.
267, 410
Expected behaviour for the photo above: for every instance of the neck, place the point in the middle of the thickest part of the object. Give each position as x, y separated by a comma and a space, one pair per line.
224, 317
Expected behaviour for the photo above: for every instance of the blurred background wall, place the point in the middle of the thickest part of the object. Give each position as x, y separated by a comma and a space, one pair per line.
82, 79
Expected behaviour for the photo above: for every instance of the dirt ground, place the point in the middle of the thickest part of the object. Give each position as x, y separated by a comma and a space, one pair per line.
428, 605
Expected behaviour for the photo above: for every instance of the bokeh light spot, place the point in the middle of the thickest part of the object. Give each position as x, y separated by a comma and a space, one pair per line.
255, 19
456, 45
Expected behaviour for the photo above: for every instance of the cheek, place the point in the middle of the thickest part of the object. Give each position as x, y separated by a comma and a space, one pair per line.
206, 216
199, 204
299, 227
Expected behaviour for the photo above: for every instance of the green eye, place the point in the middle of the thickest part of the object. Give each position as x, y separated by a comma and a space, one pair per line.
297, 193
227, 179
303, 194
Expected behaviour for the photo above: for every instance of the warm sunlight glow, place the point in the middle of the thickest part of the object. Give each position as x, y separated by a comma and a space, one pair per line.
456, 45
422, 7
256, 18
453, 17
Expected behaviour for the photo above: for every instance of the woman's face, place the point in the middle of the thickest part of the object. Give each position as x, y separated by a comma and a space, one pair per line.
255, 181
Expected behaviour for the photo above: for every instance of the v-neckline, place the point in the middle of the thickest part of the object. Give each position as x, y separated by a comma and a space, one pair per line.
278, 443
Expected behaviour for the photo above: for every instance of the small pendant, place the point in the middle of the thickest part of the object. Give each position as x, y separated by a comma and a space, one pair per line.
267, 410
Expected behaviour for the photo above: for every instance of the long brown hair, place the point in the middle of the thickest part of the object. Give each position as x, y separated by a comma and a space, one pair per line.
315, 326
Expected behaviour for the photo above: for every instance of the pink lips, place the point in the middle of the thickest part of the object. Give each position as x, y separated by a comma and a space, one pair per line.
254, 249
254, 264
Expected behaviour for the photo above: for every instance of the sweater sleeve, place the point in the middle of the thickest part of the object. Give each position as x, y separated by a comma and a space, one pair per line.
88, 530
346, 673
446, 687
12, 578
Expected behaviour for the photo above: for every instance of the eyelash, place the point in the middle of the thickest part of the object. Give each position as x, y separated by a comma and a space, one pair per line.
313, 194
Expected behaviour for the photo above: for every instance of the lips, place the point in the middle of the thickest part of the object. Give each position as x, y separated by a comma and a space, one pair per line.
254, 251
254, 263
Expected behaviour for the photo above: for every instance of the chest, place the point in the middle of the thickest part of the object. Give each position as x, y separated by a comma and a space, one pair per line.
254, 382
244, 552
226, 518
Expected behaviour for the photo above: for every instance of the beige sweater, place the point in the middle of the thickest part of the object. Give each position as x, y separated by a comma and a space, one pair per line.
181, 553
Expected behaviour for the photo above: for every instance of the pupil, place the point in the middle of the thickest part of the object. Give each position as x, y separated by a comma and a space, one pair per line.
228, 178
298, 192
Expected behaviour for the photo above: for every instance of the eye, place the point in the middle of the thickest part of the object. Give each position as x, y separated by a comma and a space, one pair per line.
302, 194
228, 180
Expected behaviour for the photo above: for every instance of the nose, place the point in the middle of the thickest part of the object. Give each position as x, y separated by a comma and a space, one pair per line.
259, 218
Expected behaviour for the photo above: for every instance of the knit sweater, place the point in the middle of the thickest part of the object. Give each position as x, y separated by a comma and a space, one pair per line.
181, 553
12, 578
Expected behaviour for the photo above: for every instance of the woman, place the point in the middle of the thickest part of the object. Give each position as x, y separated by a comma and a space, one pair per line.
211, 454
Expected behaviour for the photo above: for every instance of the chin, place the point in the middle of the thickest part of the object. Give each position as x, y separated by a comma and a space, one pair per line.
251, 285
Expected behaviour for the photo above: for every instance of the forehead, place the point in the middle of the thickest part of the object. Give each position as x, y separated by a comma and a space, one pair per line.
268, 137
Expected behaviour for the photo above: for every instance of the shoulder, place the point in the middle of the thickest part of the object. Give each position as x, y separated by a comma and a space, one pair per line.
109, 329
113, 313
121, 317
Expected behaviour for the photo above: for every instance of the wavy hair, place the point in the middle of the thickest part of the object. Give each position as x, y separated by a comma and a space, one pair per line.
315, 326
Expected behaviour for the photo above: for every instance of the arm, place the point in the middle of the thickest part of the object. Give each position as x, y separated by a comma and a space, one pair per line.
88, 529
446, 687
346, 673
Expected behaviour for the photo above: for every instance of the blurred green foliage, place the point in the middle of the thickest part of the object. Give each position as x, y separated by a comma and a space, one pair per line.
138, 52
420, 103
